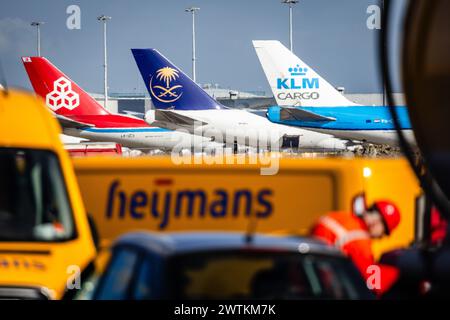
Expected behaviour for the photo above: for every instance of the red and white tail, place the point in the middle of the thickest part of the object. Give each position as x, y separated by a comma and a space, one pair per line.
61, 94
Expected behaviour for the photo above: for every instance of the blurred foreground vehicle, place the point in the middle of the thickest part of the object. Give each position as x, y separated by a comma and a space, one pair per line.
45, 235
226, 266
89, 149
154, 194
425, 266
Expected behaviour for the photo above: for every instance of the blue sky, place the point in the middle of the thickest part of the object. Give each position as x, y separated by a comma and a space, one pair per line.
329, 35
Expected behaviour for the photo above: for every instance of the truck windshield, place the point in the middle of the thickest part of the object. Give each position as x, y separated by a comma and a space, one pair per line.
238, 275
33, 199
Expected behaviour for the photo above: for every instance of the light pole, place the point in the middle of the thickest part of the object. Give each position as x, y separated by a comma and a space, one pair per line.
38, 24
192, 10
384, 83
291, 4
104, 19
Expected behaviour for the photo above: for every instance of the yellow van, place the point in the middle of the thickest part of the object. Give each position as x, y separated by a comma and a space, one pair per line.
46, 242
153, 193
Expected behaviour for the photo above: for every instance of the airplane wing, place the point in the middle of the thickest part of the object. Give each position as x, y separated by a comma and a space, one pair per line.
172, 120
302, 115
136, 114
66, 122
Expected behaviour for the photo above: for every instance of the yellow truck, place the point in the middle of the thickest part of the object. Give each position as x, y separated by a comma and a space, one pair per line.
46, 242
124, 194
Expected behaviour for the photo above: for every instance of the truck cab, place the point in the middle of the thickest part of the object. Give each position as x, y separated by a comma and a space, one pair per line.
46, 242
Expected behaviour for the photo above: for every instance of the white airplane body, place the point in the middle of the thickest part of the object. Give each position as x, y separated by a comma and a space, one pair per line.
248, 128
182, 104
139, 139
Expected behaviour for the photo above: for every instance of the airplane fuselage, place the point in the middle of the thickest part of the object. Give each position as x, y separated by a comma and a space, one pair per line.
130, 132
373, 124
135, 138
254, 130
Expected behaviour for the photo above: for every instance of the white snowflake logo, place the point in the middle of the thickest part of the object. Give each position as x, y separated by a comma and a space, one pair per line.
62, 96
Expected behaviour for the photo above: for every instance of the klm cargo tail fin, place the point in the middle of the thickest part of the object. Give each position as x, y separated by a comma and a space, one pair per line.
61, 94
168, 86
292, 81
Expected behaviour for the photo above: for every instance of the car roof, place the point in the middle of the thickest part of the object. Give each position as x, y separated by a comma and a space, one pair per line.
175, 243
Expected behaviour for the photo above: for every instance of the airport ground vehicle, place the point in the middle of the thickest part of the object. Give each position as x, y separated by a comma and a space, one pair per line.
155, 194
93, 149
226, 266
45, 234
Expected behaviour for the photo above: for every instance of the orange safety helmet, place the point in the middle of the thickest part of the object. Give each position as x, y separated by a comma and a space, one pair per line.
389, 212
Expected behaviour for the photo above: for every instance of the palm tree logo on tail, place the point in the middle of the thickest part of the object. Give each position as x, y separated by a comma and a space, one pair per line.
160, 85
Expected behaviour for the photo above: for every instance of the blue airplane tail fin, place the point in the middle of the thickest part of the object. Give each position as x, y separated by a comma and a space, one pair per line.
168, 86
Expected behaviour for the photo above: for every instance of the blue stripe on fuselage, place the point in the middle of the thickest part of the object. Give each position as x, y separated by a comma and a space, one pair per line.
350, 118
125, 130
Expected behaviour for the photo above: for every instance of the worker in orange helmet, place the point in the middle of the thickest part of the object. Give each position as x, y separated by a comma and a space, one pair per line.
353, 234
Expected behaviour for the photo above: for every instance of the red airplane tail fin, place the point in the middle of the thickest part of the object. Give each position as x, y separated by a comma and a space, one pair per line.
60, 93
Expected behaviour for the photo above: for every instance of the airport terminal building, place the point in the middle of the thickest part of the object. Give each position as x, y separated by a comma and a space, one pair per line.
140, 102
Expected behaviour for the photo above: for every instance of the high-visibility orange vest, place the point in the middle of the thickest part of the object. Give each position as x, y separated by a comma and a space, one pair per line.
349, 234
